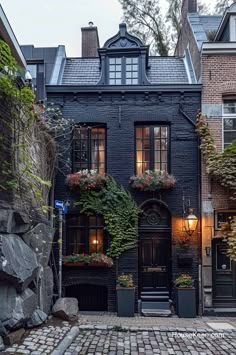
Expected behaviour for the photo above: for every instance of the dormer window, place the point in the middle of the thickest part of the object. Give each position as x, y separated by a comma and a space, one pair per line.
124, 71
123, 60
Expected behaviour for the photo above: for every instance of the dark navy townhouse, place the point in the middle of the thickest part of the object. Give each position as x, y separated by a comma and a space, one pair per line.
132, 112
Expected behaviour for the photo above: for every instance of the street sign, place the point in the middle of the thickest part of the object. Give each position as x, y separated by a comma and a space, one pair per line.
59, 204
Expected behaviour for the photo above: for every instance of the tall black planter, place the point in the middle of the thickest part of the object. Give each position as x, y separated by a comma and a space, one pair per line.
186, 302
125, 302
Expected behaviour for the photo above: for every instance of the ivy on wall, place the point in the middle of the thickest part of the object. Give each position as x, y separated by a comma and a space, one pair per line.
22, 138
221, 166
120, 214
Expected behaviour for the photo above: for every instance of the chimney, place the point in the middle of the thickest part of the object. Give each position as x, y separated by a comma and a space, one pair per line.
188, 6
90, 41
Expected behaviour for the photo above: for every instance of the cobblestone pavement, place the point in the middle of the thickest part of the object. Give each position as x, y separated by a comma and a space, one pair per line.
109, 334
40, 341
110, 342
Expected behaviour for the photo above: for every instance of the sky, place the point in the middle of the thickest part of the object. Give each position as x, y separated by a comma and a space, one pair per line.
46, 23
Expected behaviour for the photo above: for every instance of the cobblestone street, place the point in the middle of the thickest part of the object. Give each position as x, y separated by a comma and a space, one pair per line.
107, 334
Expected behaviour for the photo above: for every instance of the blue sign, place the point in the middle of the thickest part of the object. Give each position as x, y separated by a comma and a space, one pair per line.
65, 209
59, 204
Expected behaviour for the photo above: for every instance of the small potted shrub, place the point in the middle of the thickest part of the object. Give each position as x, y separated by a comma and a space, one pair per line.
185, 296
125, 295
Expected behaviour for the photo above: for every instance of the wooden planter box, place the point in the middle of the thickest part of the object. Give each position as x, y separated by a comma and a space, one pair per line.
125, 302
186, 302
83, 264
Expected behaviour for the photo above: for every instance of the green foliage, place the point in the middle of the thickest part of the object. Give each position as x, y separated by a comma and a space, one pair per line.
222, 166
125, 280
7, 61
120, 214
94, 258
229, 232
184, 281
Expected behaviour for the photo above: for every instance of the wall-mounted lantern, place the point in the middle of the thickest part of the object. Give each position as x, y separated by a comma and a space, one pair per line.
190, 223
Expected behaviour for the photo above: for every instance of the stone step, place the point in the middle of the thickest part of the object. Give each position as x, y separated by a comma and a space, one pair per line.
155, 298
155, 293
156, 312
155, 305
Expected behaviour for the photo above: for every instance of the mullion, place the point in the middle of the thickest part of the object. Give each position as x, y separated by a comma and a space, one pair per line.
152, 148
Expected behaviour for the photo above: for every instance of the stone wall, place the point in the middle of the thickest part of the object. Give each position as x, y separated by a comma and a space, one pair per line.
26, 236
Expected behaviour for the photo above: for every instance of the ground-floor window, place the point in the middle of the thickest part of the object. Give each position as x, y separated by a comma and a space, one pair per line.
85, 234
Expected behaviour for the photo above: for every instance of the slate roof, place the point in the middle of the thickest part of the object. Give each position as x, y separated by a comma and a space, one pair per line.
201, 25
81, 71
86, 71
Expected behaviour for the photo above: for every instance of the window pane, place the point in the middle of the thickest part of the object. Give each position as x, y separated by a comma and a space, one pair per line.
157, 131
32, 68
112, 68
76, 240
112, 82
135, 81
230, 107
157, 156
230, 124
164, 132
118, 75
95, 241
118, 82
164, 156
118, 60
229, 136
112, 60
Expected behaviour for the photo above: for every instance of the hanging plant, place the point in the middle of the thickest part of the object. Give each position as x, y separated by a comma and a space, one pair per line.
85, 180
120, 214
152, 180
222, 166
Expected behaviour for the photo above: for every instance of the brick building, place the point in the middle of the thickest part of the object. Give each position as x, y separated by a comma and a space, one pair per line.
209, 43
120, 99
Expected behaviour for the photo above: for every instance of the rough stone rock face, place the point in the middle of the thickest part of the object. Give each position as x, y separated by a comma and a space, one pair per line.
66, 308
13, 222
46, 289
39, 239
16, 308
18, 263
3, 330
37, 318
2, 347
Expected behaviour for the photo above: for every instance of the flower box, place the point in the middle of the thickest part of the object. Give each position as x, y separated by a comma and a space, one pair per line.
152, 180
85, 260
96, 265
85, 180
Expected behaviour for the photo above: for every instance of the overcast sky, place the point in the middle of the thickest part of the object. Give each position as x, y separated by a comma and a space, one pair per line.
53, 22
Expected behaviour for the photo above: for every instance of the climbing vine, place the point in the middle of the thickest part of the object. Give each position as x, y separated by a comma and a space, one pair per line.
229, 233
120, 214
23, 142
222, 166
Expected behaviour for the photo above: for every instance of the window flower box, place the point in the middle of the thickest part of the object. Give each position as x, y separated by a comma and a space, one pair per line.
152, 180
84, 260
86, 180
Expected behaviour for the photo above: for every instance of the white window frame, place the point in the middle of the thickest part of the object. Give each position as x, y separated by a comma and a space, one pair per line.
225, 116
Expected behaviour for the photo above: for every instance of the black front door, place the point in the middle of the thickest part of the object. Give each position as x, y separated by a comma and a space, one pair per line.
155, 260
224, 276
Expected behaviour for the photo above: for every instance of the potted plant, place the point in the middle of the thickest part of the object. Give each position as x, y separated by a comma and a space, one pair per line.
125, 295
152, 180
86, 180
185, 296
93, 260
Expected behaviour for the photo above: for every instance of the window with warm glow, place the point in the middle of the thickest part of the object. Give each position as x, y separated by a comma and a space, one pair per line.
89, 148
152, 146
84, 234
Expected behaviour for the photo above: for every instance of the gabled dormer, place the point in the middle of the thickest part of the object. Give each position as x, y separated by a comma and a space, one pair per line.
123, 60
227, 29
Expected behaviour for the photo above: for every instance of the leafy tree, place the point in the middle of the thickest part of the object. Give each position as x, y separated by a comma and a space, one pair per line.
221, 5
146, 21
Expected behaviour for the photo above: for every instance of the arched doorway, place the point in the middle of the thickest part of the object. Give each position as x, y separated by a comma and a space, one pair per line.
155, 246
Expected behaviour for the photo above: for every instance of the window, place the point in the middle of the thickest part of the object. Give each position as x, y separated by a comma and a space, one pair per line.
124, 71
89, 148
131, 71
32, 68
152, 145
229, 121
223, 217
84, 234
115, 71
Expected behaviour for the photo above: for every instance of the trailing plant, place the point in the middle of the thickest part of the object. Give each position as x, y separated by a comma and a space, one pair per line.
229, 233
184, 281
87, 180
120, 214
94, 258
21, 139
125, 280
152, 180
222, 166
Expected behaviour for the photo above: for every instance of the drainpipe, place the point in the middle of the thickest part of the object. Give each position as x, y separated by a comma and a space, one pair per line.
199, 165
